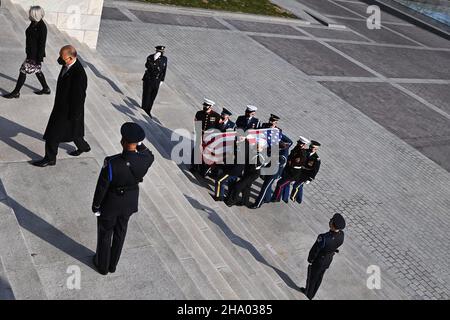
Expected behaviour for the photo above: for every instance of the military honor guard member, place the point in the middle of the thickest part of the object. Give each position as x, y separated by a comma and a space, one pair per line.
116, 195
208, 117
309, 171
322, 253
209, 120
248, 121
293, 169
66, 123
230, 172
265, 194
225, 123
253, 164
155, 74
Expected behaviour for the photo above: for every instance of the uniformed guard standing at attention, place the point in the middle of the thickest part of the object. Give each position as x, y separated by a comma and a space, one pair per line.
155, 74
248, 121
116, 195
321, 254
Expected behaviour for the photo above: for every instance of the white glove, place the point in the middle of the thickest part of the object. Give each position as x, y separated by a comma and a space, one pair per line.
307, 182
97, 214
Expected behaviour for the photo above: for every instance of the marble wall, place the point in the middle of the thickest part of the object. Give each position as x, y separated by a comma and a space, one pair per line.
79, 18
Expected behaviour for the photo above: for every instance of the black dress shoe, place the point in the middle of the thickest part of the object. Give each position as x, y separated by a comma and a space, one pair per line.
96, 266
112, 270
43, 163
43, 91
228, 202
12, 95
77, 152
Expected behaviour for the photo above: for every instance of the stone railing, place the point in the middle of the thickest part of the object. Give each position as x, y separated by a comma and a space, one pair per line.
79, 18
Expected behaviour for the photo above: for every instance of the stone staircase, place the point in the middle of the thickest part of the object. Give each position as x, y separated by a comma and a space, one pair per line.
209, 250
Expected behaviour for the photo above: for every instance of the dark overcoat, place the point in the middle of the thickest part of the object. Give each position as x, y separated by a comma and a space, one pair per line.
36, 37
66, 121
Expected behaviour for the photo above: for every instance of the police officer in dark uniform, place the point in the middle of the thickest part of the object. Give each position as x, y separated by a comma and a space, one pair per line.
225, 123
321, 254
208, 119
155, 74
116, 195
248, 121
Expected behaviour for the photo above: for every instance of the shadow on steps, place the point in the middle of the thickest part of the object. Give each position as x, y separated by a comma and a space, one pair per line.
47, 232
238, 241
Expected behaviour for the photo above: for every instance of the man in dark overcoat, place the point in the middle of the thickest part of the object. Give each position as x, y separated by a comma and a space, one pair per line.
66, 123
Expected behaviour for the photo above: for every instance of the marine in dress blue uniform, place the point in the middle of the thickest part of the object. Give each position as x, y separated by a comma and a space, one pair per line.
248, 121
322, 253
116, 195
156, 65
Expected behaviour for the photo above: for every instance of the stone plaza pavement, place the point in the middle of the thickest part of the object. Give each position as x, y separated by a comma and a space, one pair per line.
378, 100
379, 108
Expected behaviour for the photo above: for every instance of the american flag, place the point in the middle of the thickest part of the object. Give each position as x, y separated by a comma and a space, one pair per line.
217, 144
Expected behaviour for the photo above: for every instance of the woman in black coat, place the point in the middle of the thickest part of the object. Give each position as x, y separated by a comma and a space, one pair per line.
36, 36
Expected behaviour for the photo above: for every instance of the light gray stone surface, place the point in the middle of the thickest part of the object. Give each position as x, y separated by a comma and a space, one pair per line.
5, 288
388, 187
409, 63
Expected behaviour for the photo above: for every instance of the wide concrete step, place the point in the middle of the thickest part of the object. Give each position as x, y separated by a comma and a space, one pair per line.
20, 279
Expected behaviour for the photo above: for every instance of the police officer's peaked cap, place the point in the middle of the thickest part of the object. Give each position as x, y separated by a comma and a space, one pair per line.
160, 48
274, 117
207, 102
226, 111
315, 143
303, 140
338, 221
251, 108
132, 132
